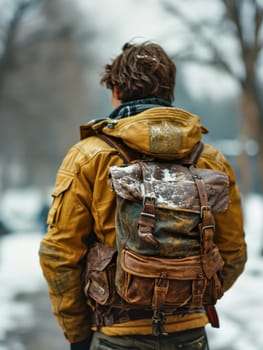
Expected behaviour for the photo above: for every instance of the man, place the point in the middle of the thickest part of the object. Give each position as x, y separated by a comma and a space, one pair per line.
142, 80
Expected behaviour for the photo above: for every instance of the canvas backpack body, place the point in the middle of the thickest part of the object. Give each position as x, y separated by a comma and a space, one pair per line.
165, 258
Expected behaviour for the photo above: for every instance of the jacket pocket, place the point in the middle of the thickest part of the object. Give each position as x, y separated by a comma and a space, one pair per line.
62, 185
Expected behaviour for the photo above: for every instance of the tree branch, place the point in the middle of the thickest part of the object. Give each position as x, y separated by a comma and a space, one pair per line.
234, 15
217, 59
258, 23
11, 32
213, 62
7, 58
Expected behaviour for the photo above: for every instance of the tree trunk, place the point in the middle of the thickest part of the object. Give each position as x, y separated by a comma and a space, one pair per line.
252, 112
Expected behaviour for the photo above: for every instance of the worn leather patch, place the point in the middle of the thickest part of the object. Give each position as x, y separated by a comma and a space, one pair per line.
165, 136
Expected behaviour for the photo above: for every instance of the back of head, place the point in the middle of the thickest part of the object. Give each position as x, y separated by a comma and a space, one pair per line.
141, 71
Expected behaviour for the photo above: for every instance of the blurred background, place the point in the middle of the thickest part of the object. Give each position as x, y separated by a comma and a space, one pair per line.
52, 53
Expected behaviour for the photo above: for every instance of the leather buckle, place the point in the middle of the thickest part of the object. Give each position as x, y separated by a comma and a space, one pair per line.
204, 207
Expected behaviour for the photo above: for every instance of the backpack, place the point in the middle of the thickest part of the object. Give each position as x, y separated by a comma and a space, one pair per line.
165, 260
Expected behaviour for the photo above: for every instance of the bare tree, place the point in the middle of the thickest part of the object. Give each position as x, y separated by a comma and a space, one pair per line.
241, 21
43, 87
251, 44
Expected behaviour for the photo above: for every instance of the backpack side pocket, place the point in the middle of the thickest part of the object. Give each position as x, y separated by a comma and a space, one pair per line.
100, 274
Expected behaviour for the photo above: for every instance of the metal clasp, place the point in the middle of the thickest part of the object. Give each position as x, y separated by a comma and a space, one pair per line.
149, 198
212, 227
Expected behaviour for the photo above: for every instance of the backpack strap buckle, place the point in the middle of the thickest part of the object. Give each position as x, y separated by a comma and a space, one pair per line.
146, 222
203, 208
157, 319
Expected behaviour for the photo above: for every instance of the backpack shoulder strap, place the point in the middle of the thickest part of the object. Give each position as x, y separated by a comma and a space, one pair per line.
193, 157
125, 152
128, 154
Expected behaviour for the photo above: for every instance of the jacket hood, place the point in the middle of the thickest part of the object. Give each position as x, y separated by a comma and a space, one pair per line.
163, 132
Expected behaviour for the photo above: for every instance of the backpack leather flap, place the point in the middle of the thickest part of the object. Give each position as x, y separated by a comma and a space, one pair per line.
100, 274
173, 185
99, 257
212, 262
155, 267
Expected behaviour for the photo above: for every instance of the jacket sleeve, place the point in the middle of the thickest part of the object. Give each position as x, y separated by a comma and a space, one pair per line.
63, 249
229, 234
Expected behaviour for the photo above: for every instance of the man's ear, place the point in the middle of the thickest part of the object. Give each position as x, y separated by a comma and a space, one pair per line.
116, 93
115, 97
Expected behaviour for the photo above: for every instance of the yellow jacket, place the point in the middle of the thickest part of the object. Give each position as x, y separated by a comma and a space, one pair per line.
84, 203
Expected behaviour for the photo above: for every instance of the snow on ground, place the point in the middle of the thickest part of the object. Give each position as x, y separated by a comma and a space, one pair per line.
19, 273
241, 308
21, 208
239, 311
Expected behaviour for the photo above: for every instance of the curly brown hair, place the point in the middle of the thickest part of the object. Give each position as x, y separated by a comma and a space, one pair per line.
141, 71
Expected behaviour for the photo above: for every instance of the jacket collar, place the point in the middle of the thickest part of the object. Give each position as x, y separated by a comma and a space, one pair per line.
137, 106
